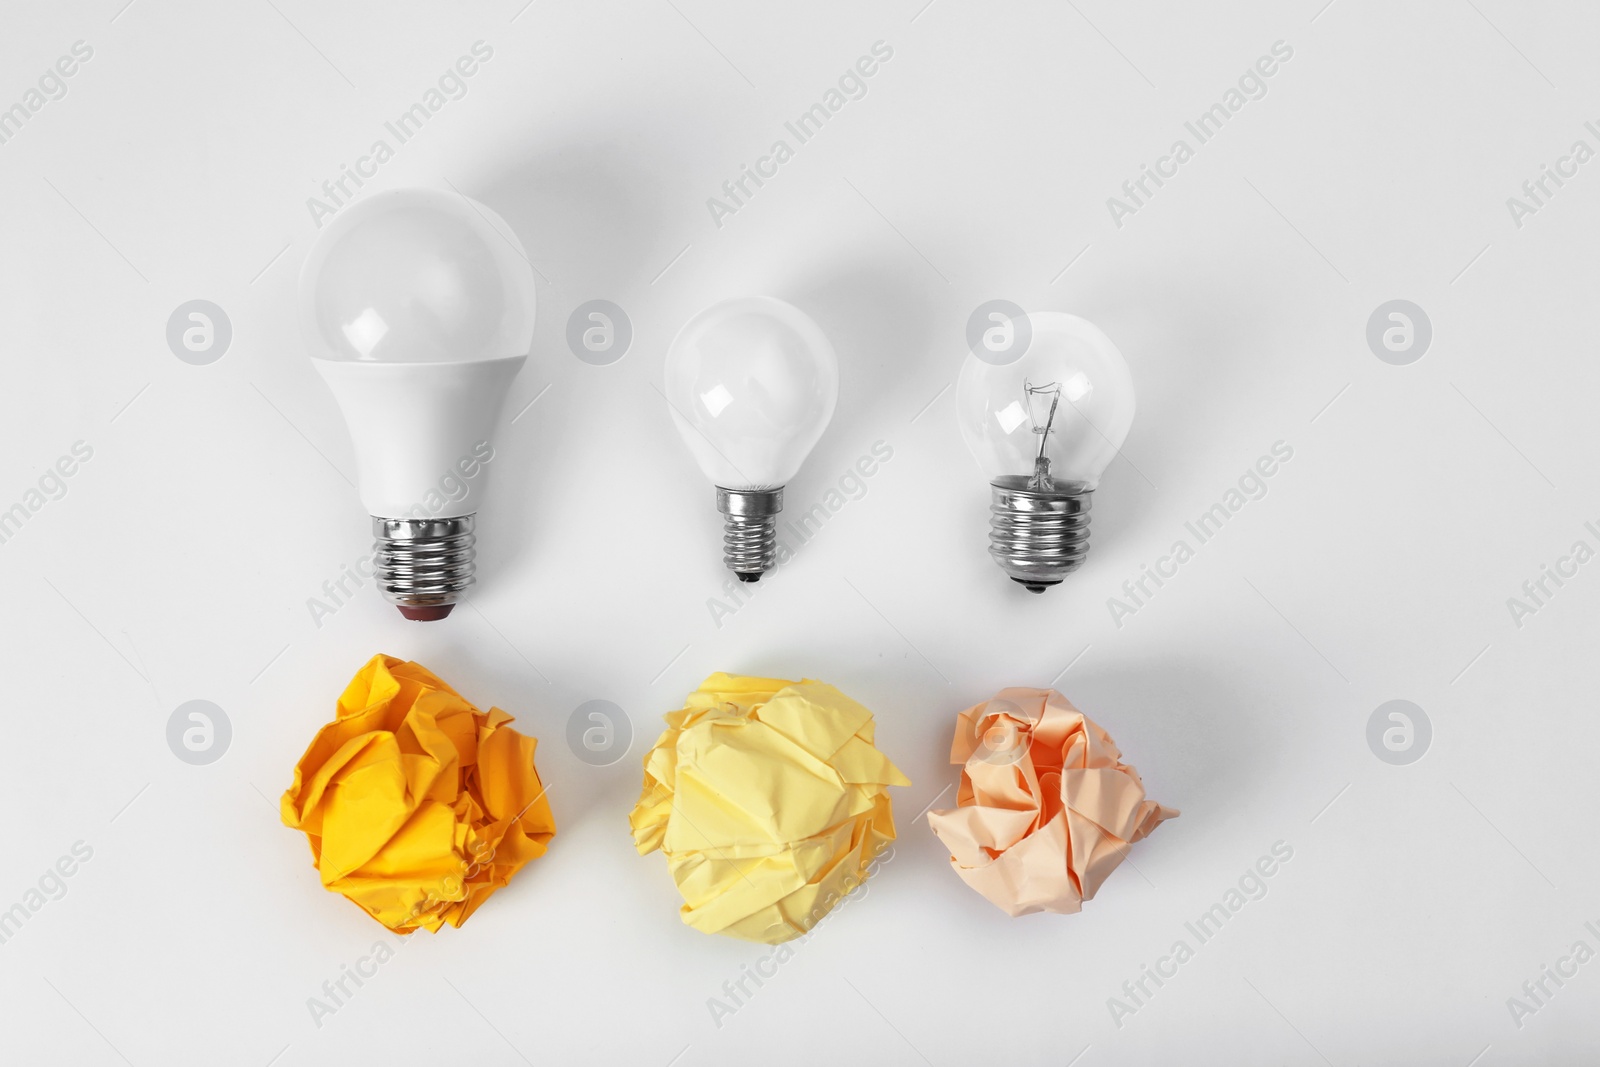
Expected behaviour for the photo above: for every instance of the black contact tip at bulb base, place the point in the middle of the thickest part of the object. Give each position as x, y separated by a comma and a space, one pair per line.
1034, 587
1038, 536
749, 530
424, 566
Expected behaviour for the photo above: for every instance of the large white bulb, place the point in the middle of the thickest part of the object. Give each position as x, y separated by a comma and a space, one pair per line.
752, 384
1044, 424
417, 308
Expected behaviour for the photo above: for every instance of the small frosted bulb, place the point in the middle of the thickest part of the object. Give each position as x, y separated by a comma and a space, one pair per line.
752, 384
417, 310
1043, 427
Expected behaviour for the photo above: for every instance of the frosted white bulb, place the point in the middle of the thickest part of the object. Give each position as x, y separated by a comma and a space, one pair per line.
1043, 426
417, 308
752, 384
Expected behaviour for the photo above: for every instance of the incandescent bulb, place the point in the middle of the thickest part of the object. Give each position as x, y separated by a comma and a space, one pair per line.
417, 309
752, 384
1043, 425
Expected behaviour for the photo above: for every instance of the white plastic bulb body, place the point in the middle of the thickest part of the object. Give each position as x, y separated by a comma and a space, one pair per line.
417, 308
752, 384
1044, 424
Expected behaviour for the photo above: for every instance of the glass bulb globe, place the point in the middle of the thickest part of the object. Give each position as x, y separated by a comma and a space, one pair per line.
418, 313
417, 276
1044, 425
752, 384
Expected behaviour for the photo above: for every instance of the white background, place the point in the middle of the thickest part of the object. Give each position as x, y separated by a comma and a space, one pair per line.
1378, 566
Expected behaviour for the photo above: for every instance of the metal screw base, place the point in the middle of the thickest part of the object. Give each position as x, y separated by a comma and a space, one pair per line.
424, 565
750, 530
1038, 536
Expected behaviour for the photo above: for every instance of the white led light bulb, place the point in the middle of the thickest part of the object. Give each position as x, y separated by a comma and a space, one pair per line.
418, 312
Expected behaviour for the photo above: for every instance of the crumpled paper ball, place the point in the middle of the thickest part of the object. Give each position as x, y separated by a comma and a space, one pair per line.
768, 799
417, 805
1046, 809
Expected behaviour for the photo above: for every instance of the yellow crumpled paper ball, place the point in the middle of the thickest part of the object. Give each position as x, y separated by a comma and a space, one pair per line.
1046, 809
417, 805
768, 799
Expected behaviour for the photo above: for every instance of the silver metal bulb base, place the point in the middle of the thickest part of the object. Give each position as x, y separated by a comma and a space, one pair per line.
749, 530
424, 565
1038, 536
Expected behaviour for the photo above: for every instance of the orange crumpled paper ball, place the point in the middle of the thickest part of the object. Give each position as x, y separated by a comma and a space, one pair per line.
1046, 809
417, 805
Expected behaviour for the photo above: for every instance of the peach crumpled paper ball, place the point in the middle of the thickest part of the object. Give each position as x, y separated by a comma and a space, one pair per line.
1047, 809
417, 805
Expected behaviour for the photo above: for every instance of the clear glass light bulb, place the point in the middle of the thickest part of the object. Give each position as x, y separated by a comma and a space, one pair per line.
417, 308
752, 383
1043, 425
